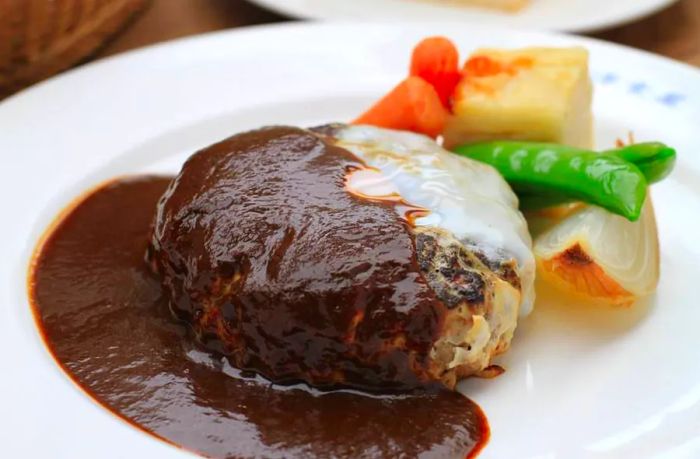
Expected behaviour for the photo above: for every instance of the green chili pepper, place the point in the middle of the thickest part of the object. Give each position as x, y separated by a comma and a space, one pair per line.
608, 181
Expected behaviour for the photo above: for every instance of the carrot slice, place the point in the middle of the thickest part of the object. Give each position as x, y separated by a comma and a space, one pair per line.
413, 105
436, 60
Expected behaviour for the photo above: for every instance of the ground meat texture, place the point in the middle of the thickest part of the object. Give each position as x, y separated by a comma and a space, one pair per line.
263, 251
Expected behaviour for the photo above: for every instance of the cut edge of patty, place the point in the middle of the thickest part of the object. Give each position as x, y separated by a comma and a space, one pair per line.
482, 296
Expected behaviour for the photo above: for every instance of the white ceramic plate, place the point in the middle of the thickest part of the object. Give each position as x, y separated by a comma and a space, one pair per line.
561, 15
580, 382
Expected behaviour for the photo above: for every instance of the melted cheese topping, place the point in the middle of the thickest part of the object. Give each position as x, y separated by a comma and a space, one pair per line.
465, 197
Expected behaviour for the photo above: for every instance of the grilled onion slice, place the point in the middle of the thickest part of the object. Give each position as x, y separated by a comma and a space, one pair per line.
601, 256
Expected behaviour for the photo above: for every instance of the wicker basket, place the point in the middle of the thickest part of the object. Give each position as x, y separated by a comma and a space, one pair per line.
41, 37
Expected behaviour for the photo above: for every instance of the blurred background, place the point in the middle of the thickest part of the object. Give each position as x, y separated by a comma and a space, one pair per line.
39, 38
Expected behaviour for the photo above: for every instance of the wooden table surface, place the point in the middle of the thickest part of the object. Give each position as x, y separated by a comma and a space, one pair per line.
674, 32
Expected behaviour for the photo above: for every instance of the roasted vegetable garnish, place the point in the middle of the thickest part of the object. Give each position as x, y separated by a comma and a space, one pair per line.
538, 94
414, 105
600, 256
436, 60
421, 102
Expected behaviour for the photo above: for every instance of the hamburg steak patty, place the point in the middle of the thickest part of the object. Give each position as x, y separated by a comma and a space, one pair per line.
277, 262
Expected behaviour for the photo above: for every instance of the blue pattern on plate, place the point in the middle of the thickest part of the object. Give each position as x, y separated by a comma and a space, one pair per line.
669, 99
609, 78
638, 88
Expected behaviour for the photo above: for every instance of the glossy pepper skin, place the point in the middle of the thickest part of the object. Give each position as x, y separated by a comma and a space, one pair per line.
608, 181
655, 159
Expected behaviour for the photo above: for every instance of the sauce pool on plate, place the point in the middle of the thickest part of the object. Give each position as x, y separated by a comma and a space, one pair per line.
107, 322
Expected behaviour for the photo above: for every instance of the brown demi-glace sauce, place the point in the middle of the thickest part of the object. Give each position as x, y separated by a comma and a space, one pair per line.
105, 319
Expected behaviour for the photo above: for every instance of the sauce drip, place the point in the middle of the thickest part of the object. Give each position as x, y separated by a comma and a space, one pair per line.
106, 321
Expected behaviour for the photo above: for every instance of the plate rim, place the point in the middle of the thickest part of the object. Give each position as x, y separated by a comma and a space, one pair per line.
279, 7
294, 25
